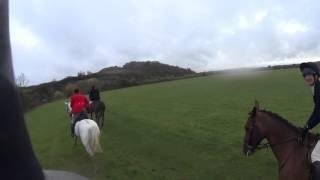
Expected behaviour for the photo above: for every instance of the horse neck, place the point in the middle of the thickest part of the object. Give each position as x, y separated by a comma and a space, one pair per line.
277, 133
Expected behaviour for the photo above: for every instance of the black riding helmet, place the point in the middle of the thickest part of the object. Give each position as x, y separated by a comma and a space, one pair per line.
309, 68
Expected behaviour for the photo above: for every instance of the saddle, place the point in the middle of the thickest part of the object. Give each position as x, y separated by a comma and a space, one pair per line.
82, 115
79, 117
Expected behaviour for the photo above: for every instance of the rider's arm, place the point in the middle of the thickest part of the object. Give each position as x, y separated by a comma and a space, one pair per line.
315, 116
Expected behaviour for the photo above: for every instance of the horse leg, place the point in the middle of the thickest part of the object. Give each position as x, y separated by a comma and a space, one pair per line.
102, 119
97, 118
92, 113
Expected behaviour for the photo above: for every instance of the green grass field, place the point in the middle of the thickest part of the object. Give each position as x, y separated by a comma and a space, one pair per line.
180, 130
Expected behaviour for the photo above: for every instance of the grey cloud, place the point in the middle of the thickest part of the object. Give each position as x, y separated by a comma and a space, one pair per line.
203, 35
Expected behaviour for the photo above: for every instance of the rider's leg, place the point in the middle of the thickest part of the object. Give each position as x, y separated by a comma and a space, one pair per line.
71, 122
72, 130
74, 117
316, 170
315, 158
71, 127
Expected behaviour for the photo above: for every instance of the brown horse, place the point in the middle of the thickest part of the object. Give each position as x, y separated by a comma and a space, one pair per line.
293, 156
97, 112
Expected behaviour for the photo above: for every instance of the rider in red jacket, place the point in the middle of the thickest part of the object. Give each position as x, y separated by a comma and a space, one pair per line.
79, 102
79, 107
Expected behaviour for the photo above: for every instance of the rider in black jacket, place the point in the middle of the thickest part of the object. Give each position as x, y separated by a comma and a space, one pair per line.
310, 72
94, 94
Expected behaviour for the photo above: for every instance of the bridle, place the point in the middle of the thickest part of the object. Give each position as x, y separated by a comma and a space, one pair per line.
260, 145
249, 145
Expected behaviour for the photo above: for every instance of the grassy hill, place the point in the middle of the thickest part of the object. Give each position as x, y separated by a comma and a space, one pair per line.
179, 130
131, 74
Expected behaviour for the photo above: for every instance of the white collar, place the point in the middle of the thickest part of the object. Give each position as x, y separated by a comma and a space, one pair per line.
312, 89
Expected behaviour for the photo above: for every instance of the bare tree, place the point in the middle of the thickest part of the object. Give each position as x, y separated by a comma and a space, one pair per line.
22, 80
81, 73
89, 72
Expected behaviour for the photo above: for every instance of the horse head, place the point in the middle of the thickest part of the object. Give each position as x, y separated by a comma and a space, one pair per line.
253, 128
68, 105
282, 139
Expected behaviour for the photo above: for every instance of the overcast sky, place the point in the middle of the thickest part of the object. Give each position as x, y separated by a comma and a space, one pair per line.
52, 39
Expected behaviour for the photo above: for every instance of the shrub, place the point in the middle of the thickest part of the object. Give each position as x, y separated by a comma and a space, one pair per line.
58, 95
68, 91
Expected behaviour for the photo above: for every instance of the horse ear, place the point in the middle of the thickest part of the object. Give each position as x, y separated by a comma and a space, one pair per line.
257, 105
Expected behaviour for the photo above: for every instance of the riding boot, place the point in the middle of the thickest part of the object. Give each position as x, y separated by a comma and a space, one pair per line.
73, 123
316, 170
72, 130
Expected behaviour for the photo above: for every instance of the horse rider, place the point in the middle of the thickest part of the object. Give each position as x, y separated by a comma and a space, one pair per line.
310, 72
94, 96
79, 107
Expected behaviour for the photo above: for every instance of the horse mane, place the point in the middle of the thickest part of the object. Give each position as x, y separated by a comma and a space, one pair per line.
281, 119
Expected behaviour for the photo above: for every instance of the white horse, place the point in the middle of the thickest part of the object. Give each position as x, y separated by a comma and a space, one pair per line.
89, 133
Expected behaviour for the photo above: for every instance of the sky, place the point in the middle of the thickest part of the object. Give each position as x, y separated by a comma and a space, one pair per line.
52, 39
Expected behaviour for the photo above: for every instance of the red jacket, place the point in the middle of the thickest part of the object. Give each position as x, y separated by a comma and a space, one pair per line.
79, 102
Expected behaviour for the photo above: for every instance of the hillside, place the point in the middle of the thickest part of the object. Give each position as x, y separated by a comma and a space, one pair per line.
131, 74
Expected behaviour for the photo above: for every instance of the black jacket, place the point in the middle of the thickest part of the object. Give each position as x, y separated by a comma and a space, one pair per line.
94, 95
315, 116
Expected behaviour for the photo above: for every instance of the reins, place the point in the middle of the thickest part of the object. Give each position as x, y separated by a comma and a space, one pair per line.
269, 145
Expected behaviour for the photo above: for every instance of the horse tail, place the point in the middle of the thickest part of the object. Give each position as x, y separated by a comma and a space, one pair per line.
95, 139
86, 139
